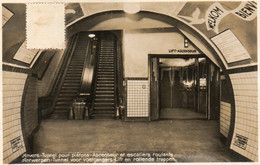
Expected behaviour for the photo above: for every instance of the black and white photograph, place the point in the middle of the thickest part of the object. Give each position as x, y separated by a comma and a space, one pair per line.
119, 81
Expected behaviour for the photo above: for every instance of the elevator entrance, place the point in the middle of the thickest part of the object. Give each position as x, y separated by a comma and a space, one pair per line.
184, 87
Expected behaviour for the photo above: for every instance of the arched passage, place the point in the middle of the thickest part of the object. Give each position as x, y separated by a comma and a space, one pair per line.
99, 21
93, 22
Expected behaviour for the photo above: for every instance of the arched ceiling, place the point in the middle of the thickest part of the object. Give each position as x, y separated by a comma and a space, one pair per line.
86, 9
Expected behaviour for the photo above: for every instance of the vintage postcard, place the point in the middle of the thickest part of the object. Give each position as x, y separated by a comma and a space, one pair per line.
129, 81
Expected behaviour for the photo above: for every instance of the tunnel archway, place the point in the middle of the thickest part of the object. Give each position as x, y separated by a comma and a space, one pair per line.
87, 23
239, 78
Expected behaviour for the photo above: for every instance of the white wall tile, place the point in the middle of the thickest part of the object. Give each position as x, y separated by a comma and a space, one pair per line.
225, 113
137, 98
13, 85
246, 119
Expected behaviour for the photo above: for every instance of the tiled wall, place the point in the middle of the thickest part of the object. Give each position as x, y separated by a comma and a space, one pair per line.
245, 137
137, 98
31, 106
13, 143
225, 114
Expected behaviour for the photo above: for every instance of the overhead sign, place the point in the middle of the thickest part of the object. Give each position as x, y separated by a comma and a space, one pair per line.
246, 10
182, 51
214, 15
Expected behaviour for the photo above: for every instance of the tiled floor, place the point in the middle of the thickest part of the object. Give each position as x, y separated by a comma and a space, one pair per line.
180, 113
188, 140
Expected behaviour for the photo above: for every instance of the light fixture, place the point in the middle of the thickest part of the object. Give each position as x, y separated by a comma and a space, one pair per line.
186, 43
91, 35
131, 7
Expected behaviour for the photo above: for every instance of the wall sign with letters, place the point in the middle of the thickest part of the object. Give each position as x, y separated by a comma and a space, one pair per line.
182, 51
16, 144
241, 141
214, 15
25, 55
227, 40
247, 11
6, 15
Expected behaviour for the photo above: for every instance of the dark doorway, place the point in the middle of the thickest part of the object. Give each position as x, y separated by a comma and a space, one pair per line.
184, 87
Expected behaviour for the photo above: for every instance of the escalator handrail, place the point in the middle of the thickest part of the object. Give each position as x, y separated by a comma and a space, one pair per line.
86, 60
63, 74
60, 67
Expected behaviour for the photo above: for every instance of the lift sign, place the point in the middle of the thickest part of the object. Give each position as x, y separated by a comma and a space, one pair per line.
241, 141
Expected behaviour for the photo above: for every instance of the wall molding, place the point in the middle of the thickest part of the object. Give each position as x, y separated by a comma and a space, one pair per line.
11, 68
136, 78
242, 70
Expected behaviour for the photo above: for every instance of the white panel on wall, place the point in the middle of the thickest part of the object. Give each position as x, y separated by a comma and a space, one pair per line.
44, 84
226, 40
6, 15
25, 55
13, 142
139, 44
137, 98
225, 114
245, 137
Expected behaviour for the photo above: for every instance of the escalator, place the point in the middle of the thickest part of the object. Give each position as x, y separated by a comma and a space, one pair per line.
72, 80
104, 104
90, 75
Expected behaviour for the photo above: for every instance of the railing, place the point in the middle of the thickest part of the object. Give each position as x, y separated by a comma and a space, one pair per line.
88, 74
119, 77
97, 51
47, 103
83, 91
115, 80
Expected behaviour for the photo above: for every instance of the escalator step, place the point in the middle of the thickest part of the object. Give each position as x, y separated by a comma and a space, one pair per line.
104, 108
106, 62
106, 67
104, 112
105, 75
105, 78
105, 85
104, 92
63, 103
104, 104
102, 95
104, 99
105, 88
73, 78
105, 82
105, 70
75, 69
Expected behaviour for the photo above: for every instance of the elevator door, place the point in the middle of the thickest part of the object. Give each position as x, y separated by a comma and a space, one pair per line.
176, 92
154, 88
213, 91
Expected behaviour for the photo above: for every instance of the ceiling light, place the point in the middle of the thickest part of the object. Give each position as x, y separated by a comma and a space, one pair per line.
186, 43
131, 8
91, 35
